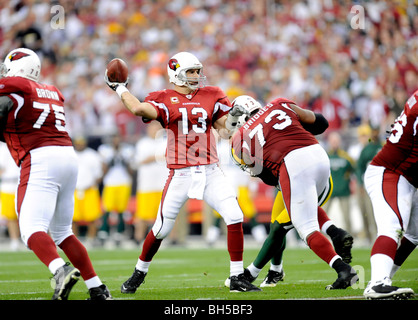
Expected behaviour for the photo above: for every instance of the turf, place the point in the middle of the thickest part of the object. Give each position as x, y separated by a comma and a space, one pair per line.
194, 274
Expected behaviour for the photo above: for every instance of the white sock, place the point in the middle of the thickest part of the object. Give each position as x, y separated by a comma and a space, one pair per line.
236, 268
55, 264
276, 267
142, 265
326, 225
334, 258
93, 282
381, 267
254, 270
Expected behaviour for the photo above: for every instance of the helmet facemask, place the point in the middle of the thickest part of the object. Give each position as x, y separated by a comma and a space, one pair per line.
249, 104
192, 83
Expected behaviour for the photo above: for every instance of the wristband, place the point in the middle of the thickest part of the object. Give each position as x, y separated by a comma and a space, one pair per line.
121, 89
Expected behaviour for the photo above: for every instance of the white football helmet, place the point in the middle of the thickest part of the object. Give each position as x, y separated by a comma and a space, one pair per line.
248, 103
178, 66
21, 62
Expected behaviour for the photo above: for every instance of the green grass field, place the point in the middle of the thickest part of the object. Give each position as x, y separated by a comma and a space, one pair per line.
193, 274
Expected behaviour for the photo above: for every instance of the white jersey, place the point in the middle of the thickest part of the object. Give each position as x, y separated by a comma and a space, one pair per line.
90, 168
9, 171
150, 162
118, 162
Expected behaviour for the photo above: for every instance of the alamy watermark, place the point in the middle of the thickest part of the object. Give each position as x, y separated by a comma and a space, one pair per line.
361, 273
358, 20
58, 18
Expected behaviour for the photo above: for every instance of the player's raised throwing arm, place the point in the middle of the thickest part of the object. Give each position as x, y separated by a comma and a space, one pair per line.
138, 108
141, 109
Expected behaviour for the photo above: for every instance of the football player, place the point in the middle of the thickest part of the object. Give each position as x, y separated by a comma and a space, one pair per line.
278, 145
391, 180
33, 126
87, 202
189, 112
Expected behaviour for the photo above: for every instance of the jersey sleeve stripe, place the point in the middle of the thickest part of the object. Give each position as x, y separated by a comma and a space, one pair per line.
163, 107
20, 102
223, 107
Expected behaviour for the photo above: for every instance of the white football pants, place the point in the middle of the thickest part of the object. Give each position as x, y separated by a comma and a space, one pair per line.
206, 182
304, 175
395, 203
45, 196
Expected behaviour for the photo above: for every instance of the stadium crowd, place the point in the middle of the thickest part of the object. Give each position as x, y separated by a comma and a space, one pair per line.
308, 51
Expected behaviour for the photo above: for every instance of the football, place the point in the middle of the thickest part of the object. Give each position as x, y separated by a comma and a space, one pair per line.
117, 70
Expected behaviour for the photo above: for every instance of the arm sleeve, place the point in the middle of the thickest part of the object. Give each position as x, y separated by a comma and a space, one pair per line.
318, 127
222, 105
156, 99
268, 177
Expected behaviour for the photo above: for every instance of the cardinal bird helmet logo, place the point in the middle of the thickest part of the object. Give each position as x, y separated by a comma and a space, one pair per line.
173, 64
17, 55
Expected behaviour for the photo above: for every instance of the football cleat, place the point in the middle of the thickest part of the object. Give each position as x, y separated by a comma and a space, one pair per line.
343, 242
130, 285
272, 278
346, 278
100, 293
381, 290
63, 281
240, 283
247, 275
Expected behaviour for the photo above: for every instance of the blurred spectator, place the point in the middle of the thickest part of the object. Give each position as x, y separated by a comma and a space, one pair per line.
87, 204
369, 151
9, 177
377, 110
362, 136
396, 101
332, 109
152, 174
342, 170
117, 185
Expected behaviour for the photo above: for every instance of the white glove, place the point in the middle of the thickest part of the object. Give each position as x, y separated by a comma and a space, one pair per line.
238, 111
233, 116
114, 85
